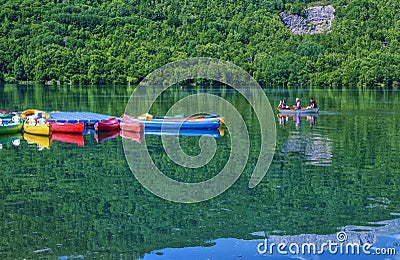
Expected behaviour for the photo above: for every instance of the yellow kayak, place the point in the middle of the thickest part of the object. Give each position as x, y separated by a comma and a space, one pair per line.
37, 113
37, 129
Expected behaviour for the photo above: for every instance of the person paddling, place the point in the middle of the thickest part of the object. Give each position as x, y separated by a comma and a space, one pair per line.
297, 105
282, 104
313, 104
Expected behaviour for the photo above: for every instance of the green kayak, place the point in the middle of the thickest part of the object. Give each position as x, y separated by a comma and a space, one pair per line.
11, 127
5, 115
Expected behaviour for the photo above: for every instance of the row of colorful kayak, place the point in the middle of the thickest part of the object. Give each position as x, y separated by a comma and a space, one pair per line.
38, 122
176, 122
136, 124
38, 127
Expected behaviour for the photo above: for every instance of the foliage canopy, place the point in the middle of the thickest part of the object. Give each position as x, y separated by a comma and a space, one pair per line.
121, 41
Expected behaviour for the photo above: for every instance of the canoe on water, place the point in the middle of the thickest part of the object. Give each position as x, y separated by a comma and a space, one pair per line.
37, 113
291, 111
180, 124
11, 127
131, 126
206, 122
77, 128
7, 114
174, 117
37, 129
111, 124
168, 117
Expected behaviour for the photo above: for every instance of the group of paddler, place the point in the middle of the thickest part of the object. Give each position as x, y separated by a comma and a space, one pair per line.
297, 104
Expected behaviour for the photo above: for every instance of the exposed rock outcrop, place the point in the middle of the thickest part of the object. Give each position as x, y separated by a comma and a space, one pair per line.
315, 20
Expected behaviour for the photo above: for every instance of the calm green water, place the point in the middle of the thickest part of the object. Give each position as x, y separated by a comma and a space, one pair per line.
337, 170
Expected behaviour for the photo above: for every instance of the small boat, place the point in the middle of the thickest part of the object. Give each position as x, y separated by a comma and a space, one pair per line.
37, 128
4, 115
107, 125
131, 126
68, 138
168, 117
37, 113
178, 118
180, 124
292, 111
10, 127
207, 122
67, 127
174, 117
7, 114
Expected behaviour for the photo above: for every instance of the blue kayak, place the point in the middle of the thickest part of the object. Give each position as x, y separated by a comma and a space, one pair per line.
182, 116
179, 124
185, 132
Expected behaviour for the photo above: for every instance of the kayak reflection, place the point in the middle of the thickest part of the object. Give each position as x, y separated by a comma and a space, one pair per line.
68, 138
41, 141
284, 118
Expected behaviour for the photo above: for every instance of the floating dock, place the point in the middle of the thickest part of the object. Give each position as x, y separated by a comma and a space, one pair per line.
88, 118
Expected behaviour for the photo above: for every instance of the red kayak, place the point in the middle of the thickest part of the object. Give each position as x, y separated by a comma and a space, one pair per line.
8, 112
107, 125
67, 127
68, 138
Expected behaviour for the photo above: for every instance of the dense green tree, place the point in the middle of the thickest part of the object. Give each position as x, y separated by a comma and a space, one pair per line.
121, 41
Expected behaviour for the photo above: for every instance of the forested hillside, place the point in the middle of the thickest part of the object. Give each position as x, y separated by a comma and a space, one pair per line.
121, 41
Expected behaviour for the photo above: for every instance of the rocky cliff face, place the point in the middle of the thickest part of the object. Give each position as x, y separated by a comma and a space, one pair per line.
315, 20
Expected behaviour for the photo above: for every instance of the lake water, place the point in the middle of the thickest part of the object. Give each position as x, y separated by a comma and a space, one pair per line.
335, 172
